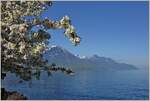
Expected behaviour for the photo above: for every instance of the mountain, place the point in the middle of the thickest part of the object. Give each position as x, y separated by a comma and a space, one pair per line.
63, 57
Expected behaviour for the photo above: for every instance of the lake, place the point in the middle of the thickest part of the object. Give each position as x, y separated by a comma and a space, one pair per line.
85, 84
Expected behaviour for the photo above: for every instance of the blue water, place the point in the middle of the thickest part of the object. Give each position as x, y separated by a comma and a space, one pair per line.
85, 84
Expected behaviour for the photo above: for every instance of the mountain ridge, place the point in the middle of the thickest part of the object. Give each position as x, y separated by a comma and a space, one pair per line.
61, 56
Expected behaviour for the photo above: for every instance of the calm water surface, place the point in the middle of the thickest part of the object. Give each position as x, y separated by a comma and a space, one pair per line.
85, 84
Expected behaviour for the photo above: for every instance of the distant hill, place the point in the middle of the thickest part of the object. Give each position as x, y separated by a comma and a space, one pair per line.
62, 57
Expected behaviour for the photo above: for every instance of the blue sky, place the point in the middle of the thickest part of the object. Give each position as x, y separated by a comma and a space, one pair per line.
118, 30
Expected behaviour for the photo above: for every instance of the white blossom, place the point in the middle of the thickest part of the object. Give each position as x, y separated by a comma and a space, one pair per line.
25, 57
69, 30
77, 39
22, 47
22, 28
10, 45
65, 21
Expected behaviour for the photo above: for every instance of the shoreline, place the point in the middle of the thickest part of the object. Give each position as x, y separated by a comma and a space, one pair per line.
14, 95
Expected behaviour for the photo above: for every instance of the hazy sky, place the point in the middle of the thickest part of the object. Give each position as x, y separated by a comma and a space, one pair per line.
118, 30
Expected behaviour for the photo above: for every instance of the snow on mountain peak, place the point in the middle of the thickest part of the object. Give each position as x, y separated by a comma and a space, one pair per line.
81, 57
52, 46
